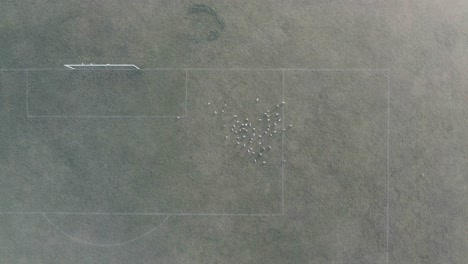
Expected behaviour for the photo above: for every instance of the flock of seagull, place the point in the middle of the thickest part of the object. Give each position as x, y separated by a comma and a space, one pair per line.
255, 137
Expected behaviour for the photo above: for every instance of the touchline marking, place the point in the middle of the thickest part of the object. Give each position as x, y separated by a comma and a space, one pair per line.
271, 69
388, 165
186, 88
282, 145
149, 214
208, 69
103, 116
103, 244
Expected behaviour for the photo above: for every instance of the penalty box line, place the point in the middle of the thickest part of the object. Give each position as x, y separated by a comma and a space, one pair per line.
142, 213
177, 214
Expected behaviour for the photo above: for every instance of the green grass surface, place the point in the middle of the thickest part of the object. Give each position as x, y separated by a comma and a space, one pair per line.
347, 157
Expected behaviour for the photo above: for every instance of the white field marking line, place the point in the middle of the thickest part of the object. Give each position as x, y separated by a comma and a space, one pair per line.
26, 76
212, 69
104, 244
100, 116
282, 145
388, 165
60, 69
99, 69
148, 214
274, 69
186, 89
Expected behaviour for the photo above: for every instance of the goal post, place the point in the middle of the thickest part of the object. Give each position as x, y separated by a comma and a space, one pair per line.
92, 65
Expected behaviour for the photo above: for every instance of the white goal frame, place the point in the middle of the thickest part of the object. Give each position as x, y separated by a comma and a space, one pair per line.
82, 65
